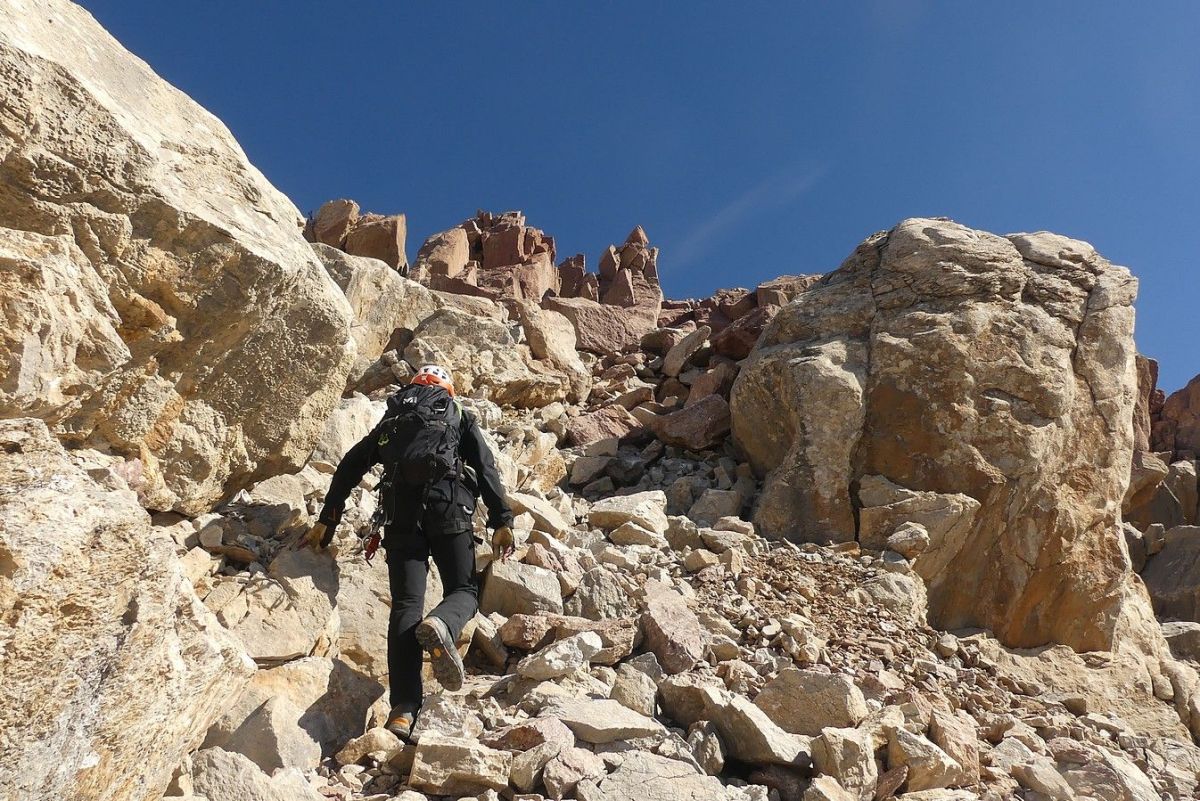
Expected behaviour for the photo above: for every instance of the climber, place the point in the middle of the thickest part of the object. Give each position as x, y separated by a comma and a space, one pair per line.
436, 463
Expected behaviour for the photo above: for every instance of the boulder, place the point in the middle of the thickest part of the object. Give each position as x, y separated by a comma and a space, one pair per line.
551, 338
645, 509
681, 352
644, 776
485, 360
1011, 359
736, 340
296, 614
455, 766
607, 422
561, 658
380, 300
929, 767
219, 775
380, 237
332, 222
445, 253
568, 768
809, 701
326, 699
127, 252
672, 631
1173, 575
112, 668
601, 328
1183, 637
272, 738
847, 755
1178, 427
512, 588
604, 720
352, 420
702, 425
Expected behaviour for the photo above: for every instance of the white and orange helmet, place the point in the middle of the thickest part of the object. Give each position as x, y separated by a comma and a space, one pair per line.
435, 376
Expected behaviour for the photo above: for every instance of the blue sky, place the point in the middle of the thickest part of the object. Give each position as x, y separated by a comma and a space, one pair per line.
750, 139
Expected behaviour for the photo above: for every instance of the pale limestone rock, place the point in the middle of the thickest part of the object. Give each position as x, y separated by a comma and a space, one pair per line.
847, 755
123, 186
352, 420
377, 740
826, 788
644, 776
271, 737
446, 715
562, 657
330, 700
112, 667
485, 360
929, 767
296, 615
454, 766
807, 701
953, 361
512, 588
635, 690
570, 766
909, 540
551, 338
604, 720
682, 351
956, 734
380, 301
223, 776
546, 518
646, 509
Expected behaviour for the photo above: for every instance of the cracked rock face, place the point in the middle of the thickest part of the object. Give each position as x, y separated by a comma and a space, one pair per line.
158, 300
957, 362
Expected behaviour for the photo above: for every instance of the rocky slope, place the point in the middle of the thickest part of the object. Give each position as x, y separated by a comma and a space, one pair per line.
827, 538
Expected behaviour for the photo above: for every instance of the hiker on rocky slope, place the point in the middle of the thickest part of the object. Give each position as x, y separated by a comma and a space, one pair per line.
436, 464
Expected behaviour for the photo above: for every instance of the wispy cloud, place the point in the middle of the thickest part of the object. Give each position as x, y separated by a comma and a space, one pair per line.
773, 191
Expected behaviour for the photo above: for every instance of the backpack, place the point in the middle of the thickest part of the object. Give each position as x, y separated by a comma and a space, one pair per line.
419, 435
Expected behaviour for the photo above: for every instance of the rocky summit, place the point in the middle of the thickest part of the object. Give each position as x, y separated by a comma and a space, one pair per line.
922, 527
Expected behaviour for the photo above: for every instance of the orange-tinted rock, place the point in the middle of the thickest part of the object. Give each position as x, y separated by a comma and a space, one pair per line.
609, 422
737, 339
332, 222
702, 425
378, 237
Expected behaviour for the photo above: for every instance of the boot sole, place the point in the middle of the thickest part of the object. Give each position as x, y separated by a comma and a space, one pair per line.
443, 656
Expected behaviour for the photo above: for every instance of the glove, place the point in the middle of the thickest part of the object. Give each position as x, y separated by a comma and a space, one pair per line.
502, 543
318, 537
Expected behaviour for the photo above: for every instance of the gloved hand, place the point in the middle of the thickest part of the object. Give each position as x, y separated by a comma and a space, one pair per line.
318, 537
502, 543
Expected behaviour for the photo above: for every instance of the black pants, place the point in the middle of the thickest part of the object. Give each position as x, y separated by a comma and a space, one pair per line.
408, 566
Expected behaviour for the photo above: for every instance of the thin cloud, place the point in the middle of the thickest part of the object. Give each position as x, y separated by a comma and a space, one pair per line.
773, 191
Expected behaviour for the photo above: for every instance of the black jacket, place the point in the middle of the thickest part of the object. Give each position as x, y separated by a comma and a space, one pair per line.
446, 507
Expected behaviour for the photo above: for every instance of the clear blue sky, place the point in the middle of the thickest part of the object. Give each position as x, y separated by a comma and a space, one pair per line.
750, 139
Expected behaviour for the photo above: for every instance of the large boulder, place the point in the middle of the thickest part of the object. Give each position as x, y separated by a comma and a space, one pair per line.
112, 667
486, 361
380, 300
221, 344
158, 299
957, 362
602, 328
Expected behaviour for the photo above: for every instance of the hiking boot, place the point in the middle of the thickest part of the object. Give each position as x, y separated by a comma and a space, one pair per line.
447, 665
400, 722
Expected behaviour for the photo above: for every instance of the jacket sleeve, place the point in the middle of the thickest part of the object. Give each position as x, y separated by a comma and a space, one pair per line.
354, 465
475, 452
